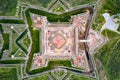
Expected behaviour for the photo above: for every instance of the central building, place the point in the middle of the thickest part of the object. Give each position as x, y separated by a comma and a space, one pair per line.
58, 41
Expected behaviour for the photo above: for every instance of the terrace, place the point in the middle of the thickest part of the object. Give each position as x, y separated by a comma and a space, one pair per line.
58, 40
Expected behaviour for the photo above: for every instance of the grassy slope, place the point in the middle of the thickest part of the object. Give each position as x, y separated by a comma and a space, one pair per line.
81, 2
43, 77
109, 57
43, 3
76, 77
8, 74
8, 7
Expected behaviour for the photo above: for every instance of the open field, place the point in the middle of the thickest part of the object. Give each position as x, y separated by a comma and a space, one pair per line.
8, 74
76, 77
58, 8
43, 77
110, 34
6, 41
42, 3
8, 7
51, 65
74, 3
109, 56
54, 17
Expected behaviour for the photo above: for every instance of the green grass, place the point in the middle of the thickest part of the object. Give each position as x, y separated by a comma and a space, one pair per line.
0, 41
58, 8
14, 46
42, 3
43, 77
8, 74
6, 41
8, 7
18, 42
12, 21
20, 54
51, 65
58, 72
62, 17
109, 56
35, 38
119, 28
12, 61
110, 34
76, 77
26, 41
74, 3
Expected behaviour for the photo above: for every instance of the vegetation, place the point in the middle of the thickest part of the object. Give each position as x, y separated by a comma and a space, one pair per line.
8, 7
11, 61
26, 41
58, 72
43, 77
54, 17
12, 21
19, 38
109, 56
114, 9
51, 65
8, 74
76, 77
6, 41
74, 3
110, 34
35, 39
20, 54
58, 8
0, 41
14, 46
42, 3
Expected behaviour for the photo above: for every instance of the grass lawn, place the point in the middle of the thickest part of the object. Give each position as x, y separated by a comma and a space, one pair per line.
58, 72
20, 54
51, 65
109, 56
35, 38
58, 8
8, 7
43, 77
19, 41
14, 46
54, 17
74, 3
119, 28
43, 3
0, 41
8, 74
76, 77
6, 41
26, 41
110, 34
